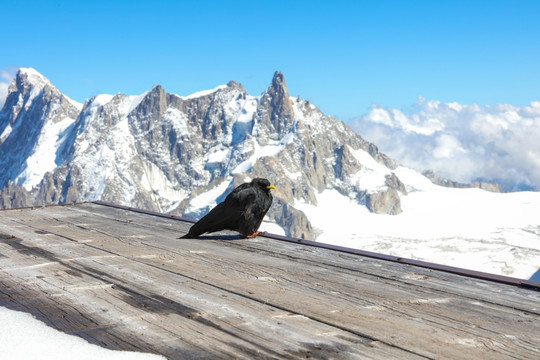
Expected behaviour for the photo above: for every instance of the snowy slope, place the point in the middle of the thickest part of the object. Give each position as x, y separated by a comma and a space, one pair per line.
43, 156
470, 228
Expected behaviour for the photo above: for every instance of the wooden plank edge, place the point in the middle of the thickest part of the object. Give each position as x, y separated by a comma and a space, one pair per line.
508, 280
523, 283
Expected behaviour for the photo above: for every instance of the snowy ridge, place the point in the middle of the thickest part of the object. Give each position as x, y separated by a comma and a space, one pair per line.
372, 176
5, 133
38, 80
202, 93
43, 158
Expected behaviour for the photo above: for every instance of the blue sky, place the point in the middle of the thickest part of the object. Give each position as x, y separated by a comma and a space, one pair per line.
342, 55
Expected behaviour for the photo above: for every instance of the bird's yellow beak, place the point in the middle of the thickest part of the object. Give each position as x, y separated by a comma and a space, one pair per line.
271, 187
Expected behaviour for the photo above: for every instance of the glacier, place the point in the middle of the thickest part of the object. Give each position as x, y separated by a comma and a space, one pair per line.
474, 229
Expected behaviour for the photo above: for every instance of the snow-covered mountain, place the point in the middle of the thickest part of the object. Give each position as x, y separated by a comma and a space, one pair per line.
177, 154
183, 154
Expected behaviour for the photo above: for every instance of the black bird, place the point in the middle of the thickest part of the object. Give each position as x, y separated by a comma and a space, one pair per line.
242, 210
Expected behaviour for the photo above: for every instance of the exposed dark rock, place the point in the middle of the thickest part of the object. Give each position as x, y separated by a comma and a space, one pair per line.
13, 196
439, 180
384, 202
162, 151
393, 182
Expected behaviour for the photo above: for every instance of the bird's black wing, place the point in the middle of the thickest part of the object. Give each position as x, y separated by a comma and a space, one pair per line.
255, 211
225, 215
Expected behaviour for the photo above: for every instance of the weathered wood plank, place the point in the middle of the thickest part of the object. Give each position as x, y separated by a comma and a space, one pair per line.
364, 306
231, 294
417, 276
242, 332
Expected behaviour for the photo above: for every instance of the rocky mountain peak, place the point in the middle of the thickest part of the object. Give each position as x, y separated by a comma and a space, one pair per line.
276, 108
178, 154
30, 86
279, 94
33, 107
155, 101
26, 79
235, 85
24, 88
278, 82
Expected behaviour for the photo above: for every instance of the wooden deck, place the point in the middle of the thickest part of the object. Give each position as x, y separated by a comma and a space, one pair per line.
122, 279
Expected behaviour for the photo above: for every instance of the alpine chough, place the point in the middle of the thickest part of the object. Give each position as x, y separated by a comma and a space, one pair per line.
242, 210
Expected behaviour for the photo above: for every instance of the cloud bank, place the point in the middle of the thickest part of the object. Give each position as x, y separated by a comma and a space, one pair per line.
499, 143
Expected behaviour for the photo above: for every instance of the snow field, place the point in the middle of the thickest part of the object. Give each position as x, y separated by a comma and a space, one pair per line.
468, 228
23, 337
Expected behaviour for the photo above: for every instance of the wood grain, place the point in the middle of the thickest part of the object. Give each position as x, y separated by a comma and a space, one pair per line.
123, 280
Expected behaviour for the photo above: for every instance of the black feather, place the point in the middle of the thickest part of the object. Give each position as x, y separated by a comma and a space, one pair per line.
242, 210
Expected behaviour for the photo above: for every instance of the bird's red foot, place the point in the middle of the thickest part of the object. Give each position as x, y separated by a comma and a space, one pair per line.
252, 235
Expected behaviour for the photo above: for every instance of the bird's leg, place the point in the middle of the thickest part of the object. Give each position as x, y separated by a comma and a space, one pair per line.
252, 235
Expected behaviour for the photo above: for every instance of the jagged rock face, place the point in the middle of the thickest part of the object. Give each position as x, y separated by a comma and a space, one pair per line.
384, 202
180, 155
393, 182
13, 196
32, 106
437, 179
275, 110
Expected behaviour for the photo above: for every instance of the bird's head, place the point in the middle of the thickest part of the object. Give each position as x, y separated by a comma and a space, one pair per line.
263, 184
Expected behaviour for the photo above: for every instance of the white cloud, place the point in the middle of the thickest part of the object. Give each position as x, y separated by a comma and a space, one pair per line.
497, 143
5, 80
448, 146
